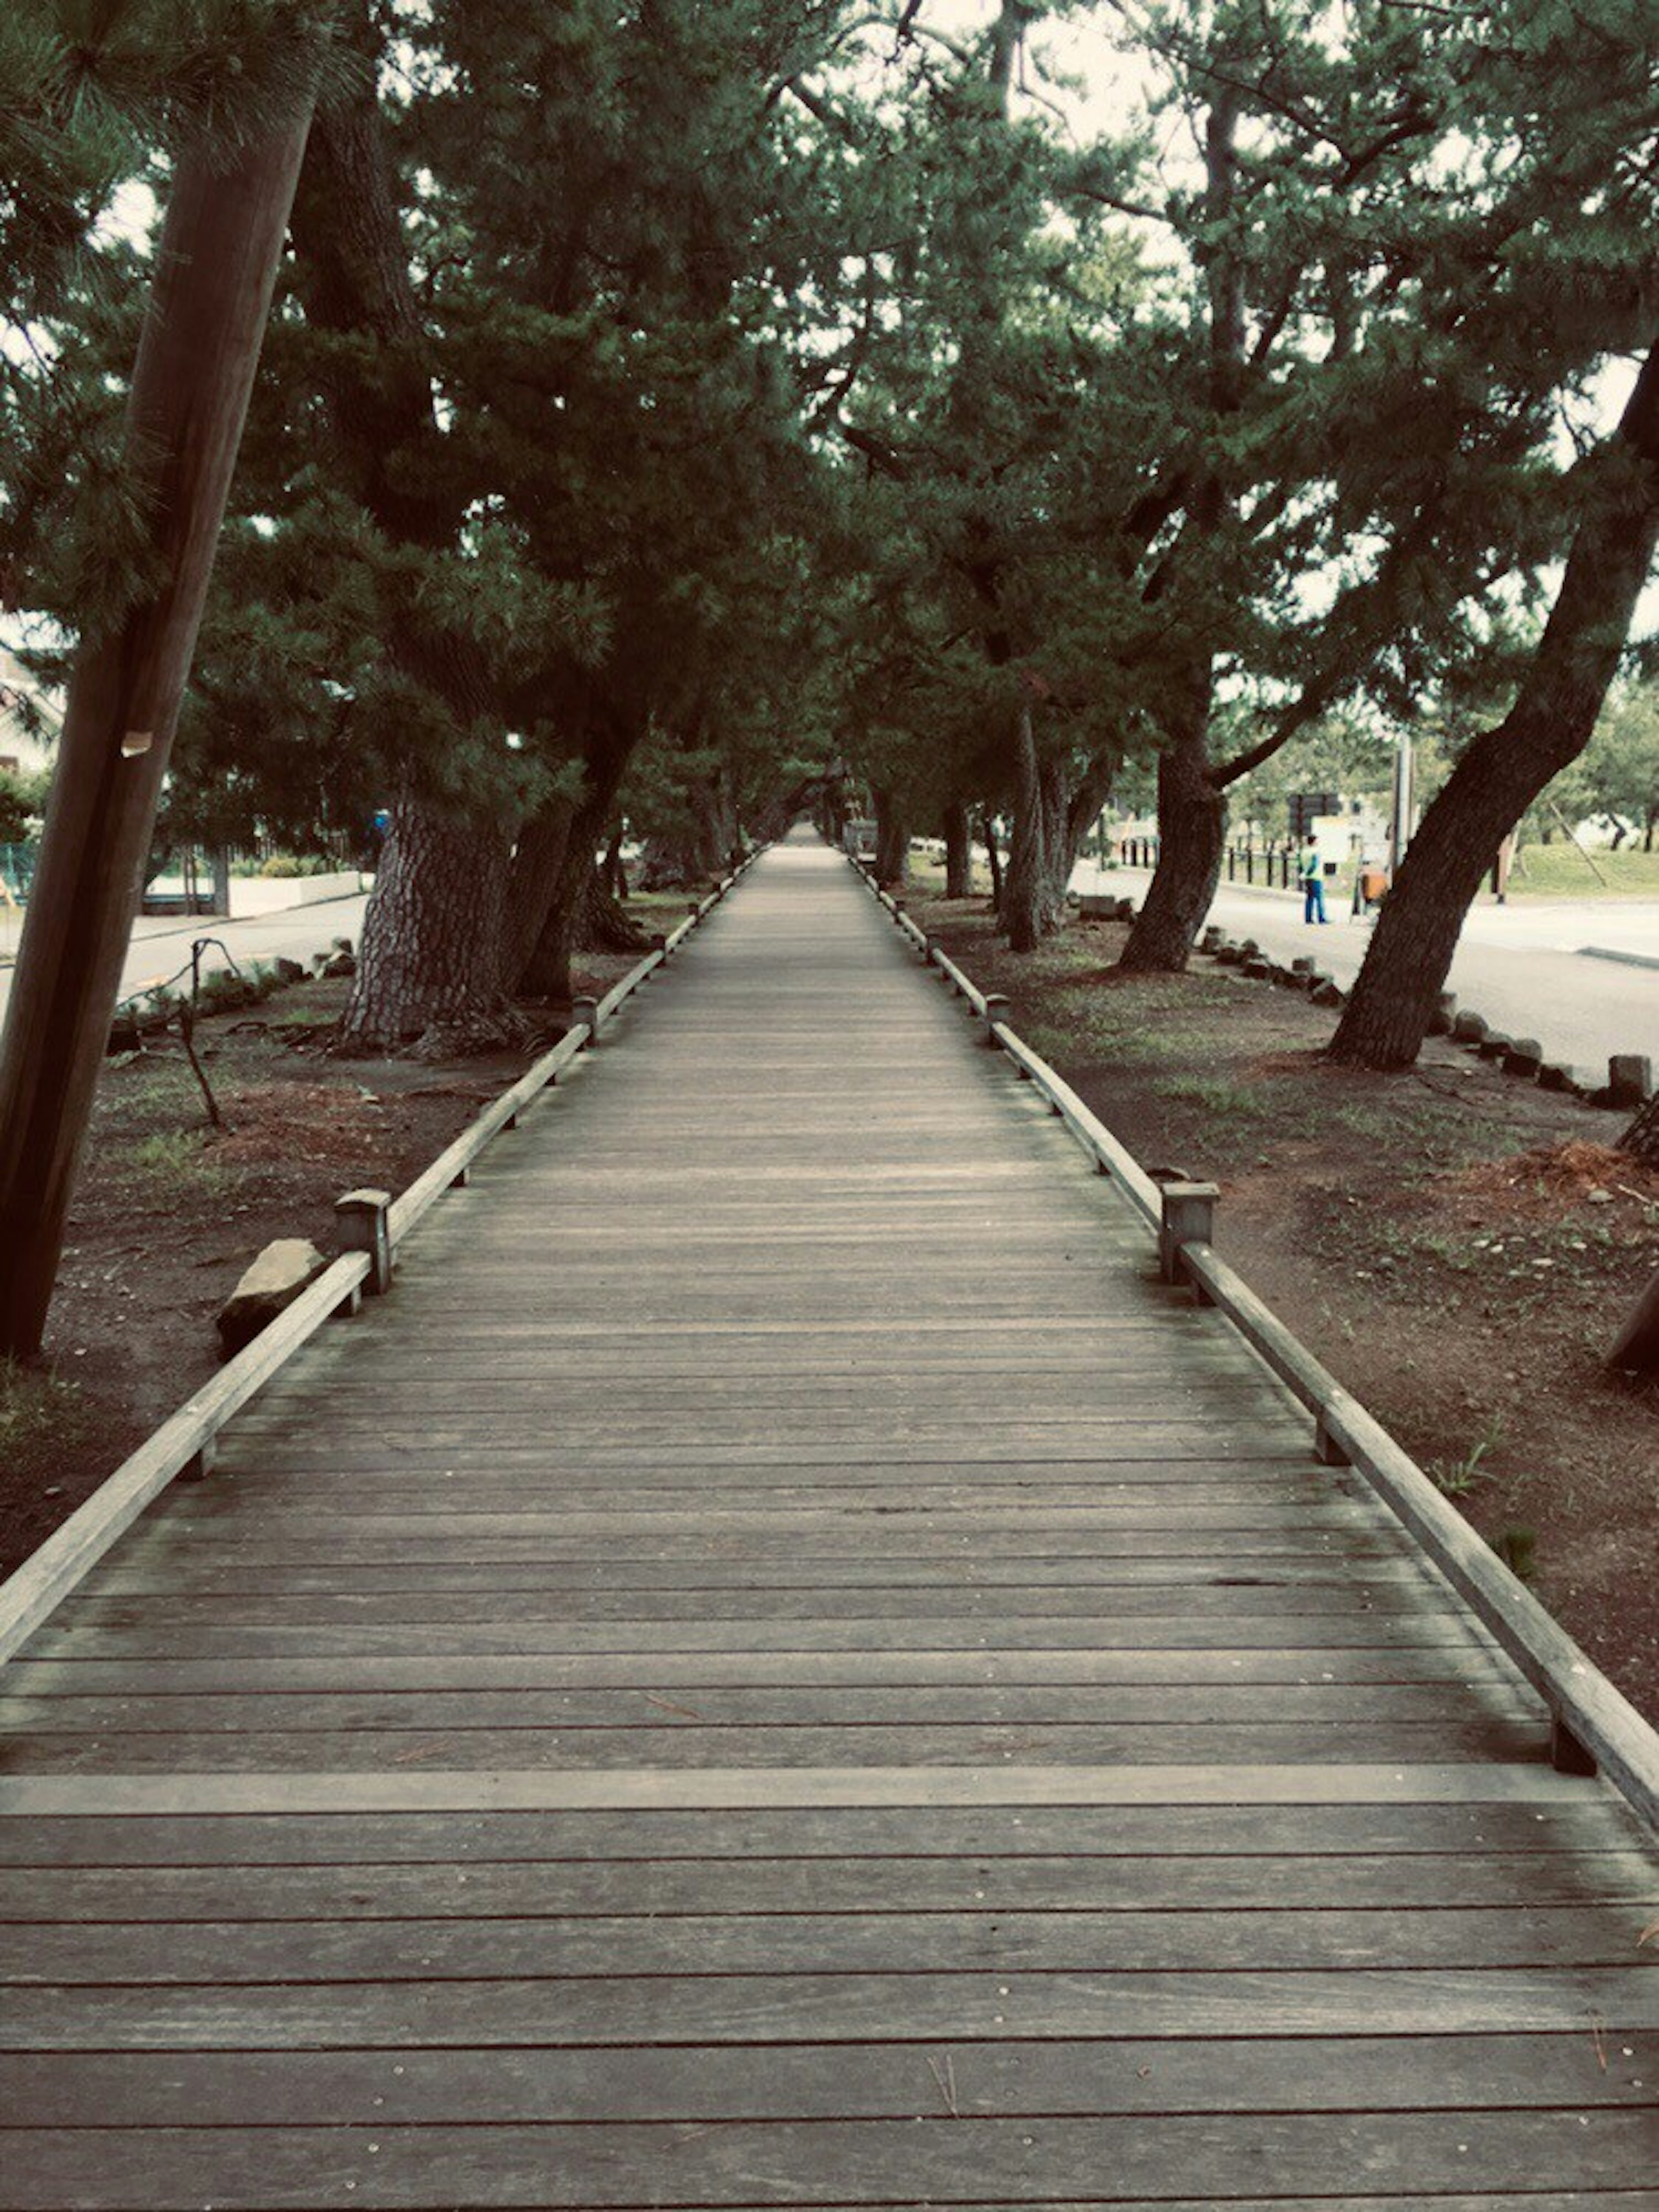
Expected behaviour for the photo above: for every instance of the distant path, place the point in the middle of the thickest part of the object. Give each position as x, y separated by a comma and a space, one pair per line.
782, 1666
1514, 964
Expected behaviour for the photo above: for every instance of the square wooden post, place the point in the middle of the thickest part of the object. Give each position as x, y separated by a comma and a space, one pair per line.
1188, 1219
362, 1216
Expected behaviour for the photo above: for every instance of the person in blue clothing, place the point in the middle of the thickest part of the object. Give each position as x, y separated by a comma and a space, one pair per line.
1311, 874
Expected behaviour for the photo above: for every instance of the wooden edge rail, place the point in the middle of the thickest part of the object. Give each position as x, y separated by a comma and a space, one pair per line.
31, 1594
46, 1577
1590, 1716
1113, 1158
1594, 1728
452, 1163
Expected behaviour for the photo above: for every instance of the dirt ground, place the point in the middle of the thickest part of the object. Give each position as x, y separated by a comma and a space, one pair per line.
168, 1212
1458, 1246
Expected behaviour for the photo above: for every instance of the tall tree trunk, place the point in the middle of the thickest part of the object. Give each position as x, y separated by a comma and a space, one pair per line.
432, 959
1504, 770
209, 305
537, 869
1192, 807
892, 841
1034, 890
958, 851
388, 450
1192, 828
545, 973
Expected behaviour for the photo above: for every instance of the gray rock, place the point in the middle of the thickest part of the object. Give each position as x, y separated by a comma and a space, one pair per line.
1494, 1045
1444, 1014
339, 964
1556, 1075
275, 1278
1325, 993
1525, 1057
1468, 1028
340, 945
288, 971
1260, 969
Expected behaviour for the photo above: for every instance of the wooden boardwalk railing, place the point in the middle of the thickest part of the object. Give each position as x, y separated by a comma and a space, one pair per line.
784, 1664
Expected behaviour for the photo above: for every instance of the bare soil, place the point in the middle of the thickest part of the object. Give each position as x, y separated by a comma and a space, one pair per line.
169, 1212
1458, 1247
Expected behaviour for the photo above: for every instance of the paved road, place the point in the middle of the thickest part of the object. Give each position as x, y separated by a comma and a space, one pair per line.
161, 945
1521, 966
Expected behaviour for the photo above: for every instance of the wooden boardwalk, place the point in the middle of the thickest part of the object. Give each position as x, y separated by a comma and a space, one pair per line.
782, 1667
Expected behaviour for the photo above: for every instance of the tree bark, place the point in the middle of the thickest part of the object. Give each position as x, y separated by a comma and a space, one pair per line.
1192, 828
431, 956
387, 447
209, 306
958, 851
1032, 902
1505, 769
892, 841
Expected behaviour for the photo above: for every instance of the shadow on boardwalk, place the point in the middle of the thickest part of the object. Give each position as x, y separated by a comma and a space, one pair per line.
782, 1667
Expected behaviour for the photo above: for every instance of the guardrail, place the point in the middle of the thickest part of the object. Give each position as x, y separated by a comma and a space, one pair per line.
376, 1225
1594, 1726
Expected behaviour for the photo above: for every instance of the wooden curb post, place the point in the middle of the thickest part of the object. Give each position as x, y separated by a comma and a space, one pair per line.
584, 1014
1188, 1218
997, 1009
362, 1216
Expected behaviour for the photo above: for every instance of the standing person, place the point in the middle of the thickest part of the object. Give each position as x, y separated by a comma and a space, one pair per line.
1311, 874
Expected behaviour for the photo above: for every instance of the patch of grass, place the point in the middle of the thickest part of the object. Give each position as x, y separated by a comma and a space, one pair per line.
171, 1167
41, 1417
1562, 871
1234, 1101
1455, 1478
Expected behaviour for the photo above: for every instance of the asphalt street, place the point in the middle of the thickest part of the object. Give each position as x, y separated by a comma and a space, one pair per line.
161, 945
1526, 966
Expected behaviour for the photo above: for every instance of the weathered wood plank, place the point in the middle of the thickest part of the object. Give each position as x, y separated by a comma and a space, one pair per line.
470, 1888
667, 1945
737, 1788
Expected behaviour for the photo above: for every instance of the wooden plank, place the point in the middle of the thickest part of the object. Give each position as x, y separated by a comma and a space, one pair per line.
638, 1945
337, 1709
471, 1888
674, 1744
1372, 2074
1438, 1833
738, 1788
769, 2010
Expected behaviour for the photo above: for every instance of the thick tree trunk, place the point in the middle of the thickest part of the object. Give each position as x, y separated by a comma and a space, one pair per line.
892, 841
220, 249
1504, 771
1191, 829
430, 966
388, 450
959, 852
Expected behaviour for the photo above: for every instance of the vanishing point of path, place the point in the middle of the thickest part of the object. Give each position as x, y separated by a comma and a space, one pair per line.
780, 1666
